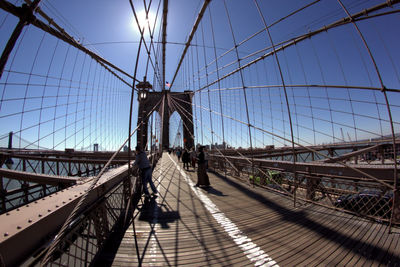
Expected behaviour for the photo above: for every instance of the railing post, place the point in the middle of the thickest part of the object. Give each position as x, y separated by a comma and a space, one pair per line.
69, 168
10, 137
25, 186
42, 165
58, 166
87, 170
355, 157
382, 154
396, 206
310, 195
2, 195
43, 186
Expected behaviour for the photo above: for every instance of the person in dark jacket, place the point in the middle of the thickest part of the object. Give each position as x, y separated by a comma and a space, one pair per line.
193, 158
202, 176
179, 154
145, 171
186, 159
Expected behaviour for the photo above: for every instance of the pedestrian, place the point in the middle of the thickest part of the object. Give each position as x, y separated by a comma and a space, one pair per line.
145, 170
193, 158
179, 154
202, 176
186, 159
206, 157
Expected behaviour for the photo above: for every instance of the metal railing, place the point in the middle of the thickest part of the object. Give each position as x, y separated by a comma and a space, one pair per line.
336, 187
106, 207
89, 233
36, 174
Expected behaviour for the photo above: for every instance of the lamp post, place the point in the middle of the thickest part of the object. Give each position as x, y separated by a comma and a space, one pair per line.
143, 88
142, 95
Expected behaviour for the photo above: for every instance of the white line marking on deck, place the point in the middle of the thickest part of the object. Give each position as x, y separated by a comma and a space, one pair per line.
254, 253
153, 239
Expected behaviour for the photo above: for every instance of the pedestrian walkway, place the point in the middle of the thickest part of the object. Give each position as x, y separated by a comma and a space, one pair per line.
233, 224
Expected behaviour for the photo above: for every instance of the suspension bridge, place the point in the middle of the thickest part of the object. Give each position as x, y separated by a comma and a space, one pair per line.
296, 104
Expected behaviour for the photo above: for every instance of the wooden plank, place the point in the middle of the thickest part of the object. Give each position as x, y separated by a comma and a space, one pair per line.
315, 245
342, 251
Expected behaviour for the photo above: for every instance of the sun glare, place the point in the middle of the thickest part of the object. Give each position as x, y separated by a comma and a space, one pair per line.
143, 21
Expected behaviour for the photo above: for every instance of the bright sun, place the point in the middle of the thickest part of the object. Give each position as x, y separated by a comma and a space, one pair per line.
143, 21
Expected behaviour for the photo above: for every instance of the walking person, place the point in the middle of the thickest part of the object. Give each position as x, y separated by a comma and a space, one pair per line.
206, 157
193, 158
179, 154
202, 176
144, 166
186, 159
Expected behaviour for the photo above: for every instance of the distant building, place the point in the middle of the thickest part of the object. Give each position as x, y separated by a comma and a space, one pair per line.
219, 146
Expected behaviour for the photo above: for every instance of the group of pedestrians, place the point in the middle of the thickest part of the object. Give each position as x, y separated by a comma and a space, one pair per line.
201, 158
145, 168
189, 158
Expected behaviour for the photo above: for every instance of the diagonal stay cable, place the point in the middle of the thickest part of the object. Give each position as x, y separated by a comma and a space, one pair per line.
62, 35
259, 32
297, 144
61, 234
236, 150
78, 206
177, 106
357, 16
194, 29
82, 48
142, 35
285, 92
378, 73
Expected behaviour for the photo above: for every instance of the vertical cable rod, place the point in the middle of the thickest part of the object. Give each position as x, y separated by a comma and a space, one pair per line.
208, 90
243, 86
395, 178
284, 89
217, 67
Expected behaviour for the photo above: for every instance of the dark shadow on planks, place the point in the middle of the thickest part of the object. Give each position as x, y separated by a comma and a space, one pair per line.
300, 217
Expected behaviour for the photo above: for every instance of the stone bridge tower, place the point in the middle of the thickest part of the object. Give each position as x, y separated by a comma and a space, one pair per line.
165, 103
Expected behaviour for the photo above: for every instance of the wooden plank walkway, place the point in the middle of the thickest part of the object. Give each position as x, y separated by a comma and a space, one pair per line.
234, 224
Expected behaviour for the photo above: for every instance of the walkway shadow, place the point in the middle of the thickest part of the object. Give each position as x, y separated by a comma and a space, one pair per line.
155, 213
151, 212
110, 249
212, 190
301, 218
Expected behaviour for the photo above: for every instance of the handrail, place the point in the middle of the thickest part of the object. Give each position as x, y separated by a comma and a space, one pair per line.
23, 230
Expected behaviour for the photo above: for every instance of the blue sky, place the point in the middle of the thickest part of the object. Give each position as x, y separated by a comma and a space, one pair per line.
60, 97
